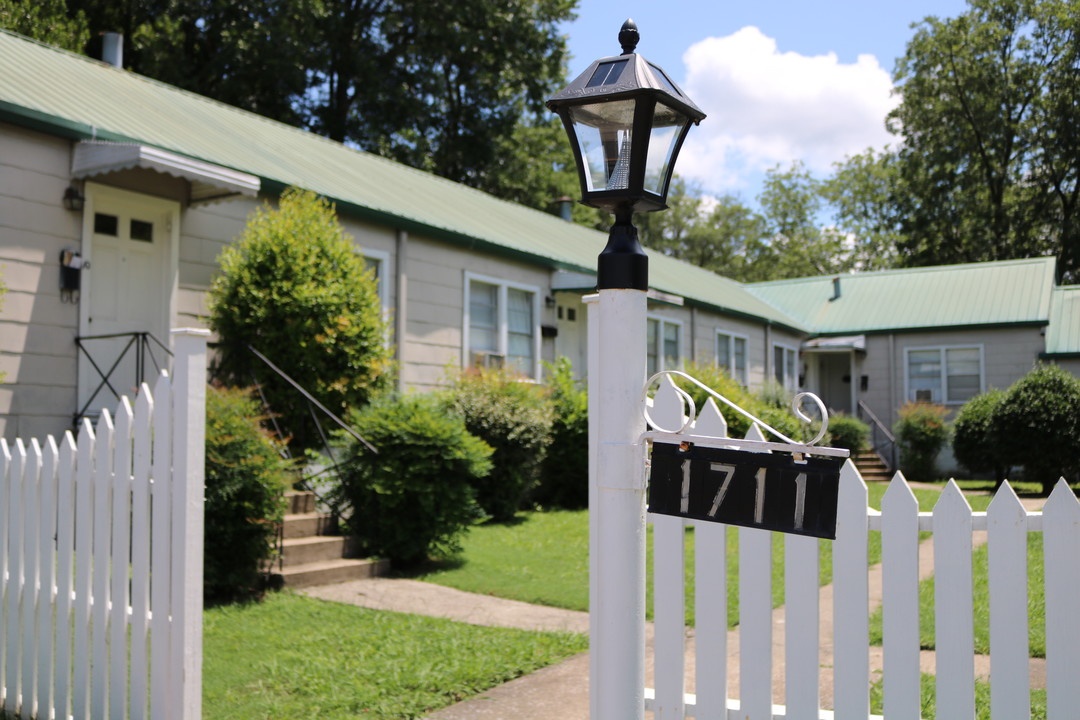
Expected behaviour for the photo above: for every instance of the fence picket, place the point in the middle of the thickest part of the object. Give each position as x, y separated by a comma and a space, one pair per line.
755, 618
65, 558
160, 559
140, 554
851, 599
14, 577
46, 625
710, 620
710, 596
31, 577
669, 608
84, 542
6, 511
99, 623
801, 622
1006, 521
120, 561
900, 600
953, 617
1061, 539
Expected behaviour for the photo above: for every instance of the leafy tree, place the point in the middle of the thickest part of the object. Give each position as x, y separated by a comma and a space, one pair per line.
989, 166
860, 194
46, 20
798, 246
453, 88
295, 288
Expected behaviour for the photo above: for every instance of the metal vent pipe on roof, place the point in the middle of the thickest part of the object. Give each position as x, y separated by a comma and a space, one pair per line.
112, 49
835, 289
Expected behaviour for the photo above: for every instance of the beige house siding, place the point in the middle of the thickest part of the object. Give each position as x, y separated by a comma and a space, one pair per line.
37, 330
1008, 353
435, 310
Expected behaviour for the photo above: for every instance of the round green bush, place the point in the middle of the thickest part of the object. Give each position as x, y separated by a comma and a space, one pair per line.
1037, 425
295, 288
564, 476
921, 432
848, 432
414, 499
246, 479
513, 416
973, 435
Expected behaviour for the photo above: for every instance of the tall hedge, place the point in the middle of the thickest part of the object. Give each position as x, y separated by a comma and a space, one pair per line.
974, 435
246, 480
295, 287
512, 415
564, 477
1037, 425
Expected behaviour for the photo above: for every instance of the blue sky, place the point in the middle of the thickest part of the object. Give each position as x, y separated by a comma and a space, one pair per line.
781, 80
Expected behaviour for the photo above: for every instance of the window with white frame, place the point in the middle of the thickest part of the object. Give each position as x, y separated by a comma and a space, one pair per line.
378, 262
786, 366
944, 374
502, 328
663, 340
731, 356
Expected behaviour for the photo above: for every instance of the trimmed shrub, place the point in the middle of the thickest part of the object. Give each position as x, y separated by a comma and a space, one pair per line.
920, 432
512, 416
295, 288
848, 432
1037, 425
246, 479
414, 499
973, 435
714, 376
564, 476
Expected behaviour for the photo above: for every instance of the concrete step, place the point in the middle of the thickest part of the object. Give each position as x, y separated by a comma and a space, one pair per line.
304, 550
333, 571
298, 502
306, 525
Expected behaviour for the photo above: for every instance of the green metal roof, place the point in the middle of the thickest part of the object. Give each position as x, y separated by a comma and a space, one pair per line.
75, 97
1012, 292
1063, 333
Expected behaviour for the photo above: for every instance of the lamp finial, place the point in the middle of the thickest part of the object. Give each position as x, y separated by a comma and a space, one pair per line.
628, 36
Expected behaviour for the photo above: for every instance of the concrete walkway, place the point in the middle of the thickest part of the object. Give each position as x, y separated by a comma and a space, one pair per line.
560, 692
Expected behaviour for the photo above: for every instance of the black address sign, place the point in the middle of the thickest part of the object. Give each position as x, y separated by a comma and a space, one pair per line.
737, 487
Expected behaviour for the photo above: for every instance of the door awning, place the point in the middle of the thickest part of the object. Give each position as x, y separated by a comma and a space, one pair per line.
209, 182
847, 342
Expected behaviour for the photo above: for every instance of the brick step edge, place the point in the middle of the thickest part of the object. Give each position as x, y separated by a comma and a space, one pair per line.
299, 502
297, 525
333, 571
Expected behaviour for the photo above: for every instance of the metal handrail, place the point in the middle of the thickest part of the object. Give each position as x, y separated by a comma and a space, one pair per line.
877, 426
140, 341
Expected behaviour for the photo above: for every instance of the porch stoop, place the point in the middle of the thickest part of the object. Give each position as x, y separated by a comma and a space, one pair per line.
310, 557
871, 466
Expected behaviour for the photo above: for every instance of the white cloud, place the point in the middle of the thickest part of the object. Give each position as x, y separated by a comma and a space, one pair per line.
767, 107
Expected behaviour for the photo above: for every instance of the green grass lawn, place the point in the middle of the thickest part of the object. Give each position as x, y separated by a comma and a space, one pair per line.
928, 693
297, 657
542, 558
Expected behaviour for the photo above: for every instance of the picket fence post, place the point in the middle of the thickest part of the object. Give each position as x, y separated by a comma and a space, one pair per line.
189, 442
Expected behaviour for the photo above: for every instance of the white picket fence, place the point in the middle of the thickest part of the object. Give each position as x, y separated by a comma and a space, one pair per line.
952, 522
101, 559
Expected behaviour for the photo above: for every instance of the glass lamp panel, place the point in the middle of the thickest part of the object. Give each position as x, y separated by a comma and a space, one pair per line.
667, 127
604, 134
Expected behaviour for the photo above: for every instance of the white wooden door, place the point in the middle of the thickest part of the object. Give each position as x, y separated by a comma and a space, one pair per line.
127, 289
